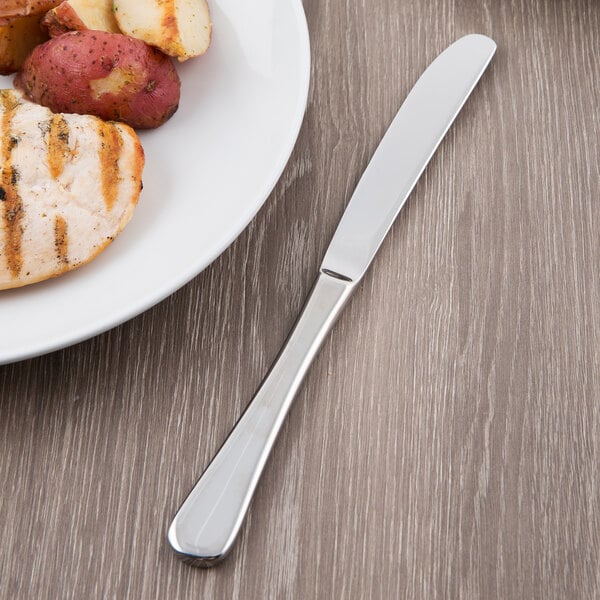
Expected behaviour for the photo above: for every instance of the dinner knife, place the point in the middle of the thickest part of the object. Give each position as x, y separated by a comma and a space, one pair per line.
208, 521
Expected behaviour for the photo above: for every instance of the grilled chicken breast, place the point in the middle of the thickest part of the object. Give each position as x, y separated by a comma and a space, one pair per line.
68, 186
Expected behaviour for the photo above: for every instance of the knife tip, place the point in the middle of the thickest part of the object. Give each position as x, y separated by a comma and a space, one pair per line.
482, 41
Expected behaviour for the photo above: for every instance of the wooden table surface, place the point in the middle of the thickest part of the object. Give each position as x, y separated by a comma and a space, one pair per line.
446, 442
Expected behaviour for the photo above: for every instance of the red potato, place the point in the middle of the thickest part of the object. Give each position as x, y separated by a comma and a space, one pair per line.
109, 75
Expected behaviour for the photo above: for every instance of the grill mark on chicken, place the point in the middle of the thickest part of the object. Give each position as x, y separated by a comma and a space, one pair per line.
61, 241
138, 164
58, 145
111, 146
12, 205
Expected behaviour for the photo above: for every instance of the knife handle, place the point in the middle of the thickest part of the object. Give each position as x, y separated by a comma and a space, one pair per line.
207, 523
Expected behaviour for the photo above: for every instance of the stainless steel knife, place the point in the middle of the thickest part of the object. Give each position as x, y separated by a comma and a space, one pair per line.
207, 523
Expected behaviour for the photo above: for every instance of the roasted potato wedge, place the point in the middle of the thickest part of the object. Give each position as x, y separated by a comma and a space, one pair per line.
79, 15
12, 9
17, 39
180, 28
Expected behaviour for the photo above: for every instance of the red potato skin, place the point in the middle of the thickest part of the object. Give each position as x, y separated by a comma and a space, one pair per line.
110, 75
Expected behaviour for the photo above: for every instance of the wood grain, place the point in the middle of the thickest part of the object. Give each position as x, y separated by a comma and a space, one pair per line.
446, 442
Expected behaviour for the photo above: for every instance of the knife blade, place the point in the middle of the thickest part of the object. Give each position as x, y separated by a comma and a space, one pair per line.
207, 523
403, 153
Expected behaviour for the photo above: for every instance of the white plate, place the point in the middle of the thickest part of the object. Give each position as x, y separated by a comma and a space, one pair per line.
208, 171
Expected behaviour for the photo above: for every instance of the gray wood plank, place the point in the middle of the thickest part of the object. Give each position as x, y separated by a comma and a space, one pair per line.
445, 443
